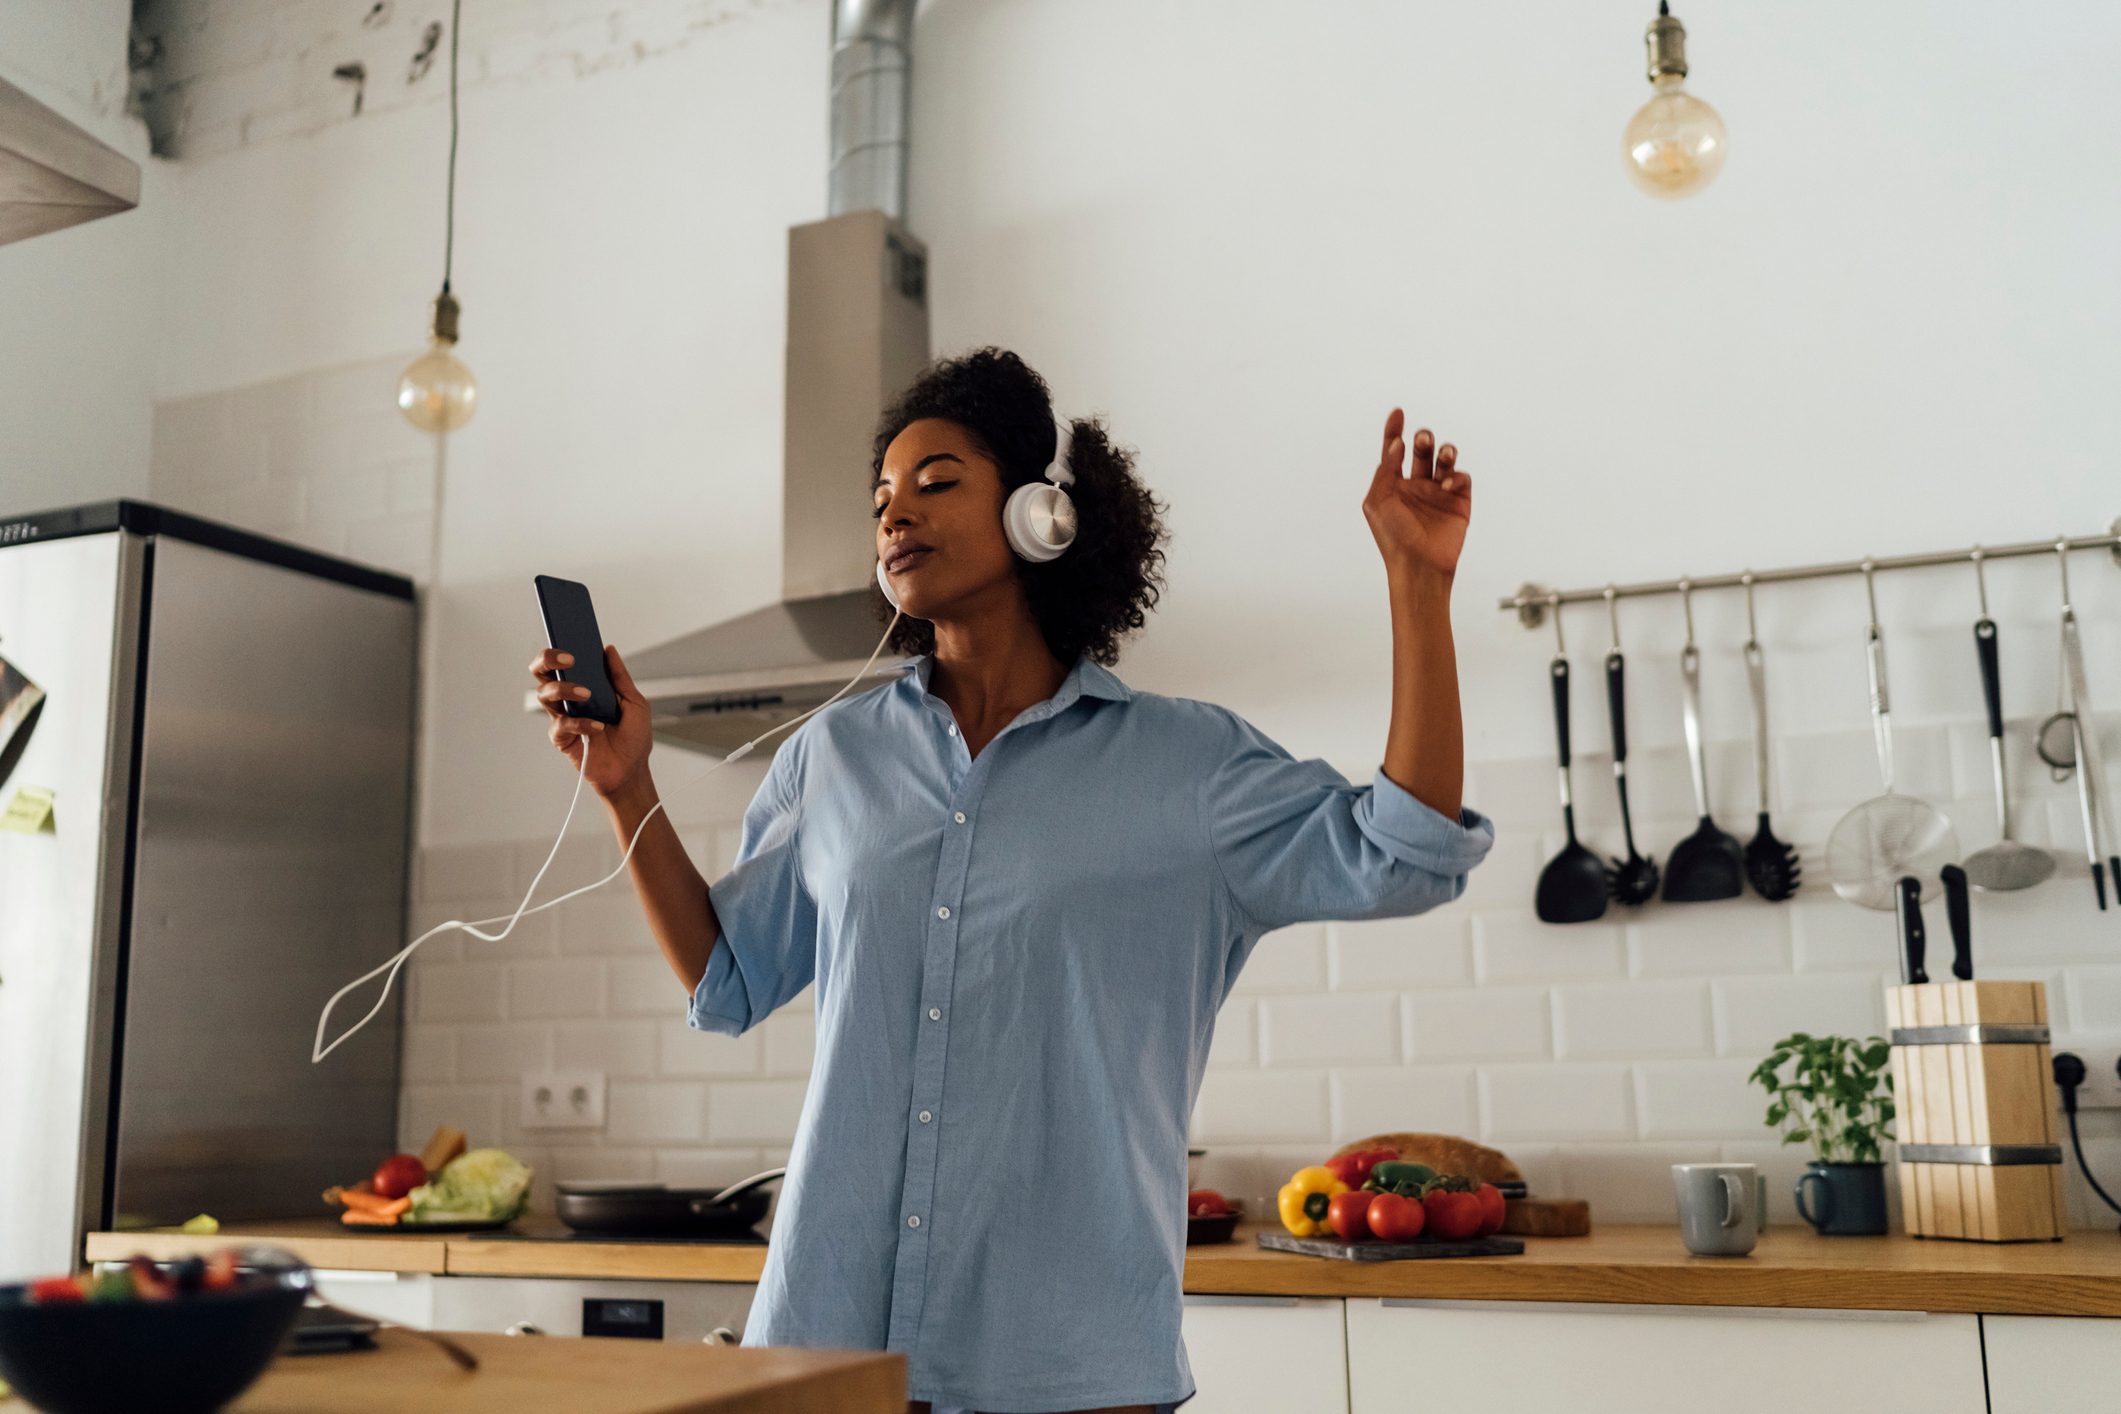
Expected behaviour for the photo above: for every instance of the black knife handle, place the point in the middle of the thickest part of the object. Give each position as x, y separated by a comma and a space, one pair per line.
1911, 935
1616, 697
1559, 669
1959, 911
1991, 677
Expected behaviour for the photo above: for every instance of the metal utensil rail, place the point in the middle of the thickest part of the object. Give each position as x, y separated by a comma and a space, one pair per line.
1531, 601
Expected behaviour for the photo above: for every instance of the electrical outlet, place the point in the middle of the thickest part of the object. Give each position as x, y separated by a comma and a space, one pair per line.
572, 1099
2101, 1055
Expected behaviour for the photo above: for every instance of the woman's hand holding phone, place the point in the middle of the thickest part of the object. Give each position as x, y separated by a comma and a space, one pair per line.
618, 754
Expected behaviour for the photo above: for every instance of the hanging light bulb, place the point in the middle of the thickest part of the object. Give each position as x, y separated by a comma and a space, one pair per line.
1674, 144
437, 392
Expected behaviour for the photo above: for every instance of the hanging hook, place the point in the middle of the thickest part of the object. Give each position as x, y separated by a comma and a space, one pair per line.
1870, 590
1686, 600
2062, 559
1752, 630
1612, 613
1981, 578
1561, 646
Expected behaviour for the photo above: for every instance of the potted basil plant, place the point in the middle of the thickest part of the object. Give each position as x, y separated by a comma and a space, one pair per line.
1835, 1094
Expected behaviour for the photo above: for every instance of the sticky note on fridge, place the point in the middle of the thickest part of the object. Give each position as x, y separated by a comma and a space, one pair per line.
30, 812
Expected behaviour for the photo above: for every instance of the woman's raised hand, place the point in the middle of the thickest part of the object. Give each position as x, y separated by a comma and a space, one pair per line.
1419, 520
618, 753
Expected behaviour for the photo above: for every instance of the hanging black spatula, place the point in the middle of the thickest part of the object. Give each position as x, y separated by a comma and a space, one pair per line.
1707, 864
1572, 888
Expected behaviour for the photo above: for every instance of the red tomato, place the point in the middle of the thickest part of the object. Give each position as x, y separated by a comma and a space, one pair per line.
398, 1175
1453, 1217
1206, 1203
54, 1291
1491, 1209
1396, 1219
1349, 1215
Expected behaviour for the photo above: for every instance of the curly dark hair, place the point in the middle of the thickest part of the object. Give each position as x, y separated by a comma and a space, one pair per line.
1088, 598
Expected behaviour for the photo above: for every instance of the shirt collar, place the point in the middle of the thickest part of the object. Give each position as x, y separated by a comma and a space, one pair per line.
1085, 679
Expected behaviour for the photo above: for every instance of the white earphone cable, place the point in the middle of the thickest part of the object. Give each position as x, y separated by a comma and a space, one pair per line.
389, 967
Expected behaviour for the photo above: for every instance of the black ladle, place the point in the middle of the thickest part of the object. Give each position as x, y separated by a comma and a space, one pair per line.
1572, 888
1707, 864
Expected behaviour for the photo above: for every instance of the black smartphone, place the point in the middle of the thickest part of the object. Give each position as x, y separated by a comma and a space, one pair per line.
571, 627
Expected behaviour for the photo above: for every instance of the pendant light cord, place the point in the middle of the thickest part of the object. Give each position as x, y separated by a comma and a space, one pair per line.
449, 237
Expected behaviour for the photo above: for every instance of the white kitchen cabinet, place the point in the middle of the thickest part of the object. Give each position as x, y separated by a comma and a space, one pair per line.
1612, 1359
1267, 1355
402, 1298
2047, 1364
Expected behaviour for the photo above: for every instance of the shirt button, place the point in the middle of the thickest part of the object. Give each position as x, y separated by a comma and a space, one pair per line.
935, 1013
925, 1116
942, 912
914, 1221
953, 729
959, 817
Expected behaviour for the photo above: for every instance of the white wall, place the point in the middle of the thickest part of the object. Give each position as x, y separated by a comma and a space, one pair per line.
76, 363
1243, 233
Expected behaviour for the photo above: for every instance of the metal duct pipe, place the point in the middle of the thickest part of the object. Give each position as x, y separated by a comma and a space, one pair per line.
872, 53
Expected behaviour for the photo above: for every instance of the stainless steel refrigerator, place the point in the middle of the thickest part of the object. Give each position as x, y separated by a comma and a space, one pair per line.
206, 752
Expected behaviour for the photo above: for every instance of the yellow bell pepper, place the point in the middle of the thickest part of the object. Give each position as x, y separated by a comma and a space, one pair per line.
1305, 1198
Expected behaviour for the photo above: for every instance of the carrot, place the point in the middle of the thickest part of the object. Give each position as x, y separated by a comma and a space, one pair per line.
355, 1217
373, 1203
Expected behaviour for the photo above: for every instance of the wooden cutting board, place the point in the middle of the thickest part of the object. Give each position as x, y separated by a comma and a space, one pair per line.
1547, 1217
1390, 1251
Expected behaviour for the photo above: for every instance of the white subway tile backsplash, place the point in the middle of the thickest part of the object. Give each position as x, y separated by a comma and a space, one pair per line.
1382, 954
503, 1052
622, 1049
2094, 998
1479, 1023
476, 1110
457, 991
1303, 1030
1286, 960
1699, 1099
466, 872
681, 1050
1629, 1183
1515, 946
1428, 1099
1558, 1102
706, 1168
655, 1111
1708, 939
1260, 1107
1236, 1035
645, 986
607, 923
1835, 936
758, 1111
1752, 1014
428, 1055
569, 988
1623, 1019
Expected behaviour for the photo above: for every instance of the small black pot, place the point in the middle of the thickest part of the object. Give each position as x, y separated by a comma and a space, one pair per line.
1843, 1200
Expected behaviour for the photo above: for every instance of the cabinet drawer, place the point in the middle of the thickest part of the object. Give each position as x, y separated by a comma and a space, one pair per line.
2045, 1364
1597, 1359
1266, 1355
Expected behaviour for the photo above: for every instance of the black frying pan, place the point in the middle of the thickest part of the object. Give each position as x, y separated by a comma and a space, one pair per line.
656, 1210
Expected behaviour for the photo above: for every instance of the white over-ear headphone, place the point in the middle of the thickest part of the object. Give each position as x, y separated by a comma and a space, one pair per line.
1038, 519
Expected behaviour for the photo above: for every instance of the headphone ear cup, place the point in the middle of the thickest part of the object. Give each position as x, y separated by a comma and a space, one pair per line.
1039, 521
883, 582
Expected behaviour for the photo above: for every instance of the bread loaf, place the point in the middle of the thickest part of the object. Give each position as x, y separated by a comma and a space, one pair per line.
1445, 1153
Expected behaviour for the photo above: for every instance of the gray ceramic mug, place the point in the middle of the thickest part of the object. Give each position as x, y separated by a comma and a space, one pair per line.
1719, 1207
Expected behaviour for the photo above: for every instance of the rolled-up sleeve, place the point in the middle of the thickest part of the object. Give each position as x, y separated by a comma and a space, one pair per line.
767, 949
1297, 842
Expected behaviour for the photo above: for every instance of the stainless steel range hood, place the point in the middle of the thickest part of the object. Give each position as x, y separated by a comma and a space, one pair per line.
54, 175
857, 336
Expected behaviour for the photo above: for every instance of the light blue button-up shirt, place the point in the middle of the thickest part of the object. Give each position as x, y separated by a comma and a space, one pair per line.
1019, 959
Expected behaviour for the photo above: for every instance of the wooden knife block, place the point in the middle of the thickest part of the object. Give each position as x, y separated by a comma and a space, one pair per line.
1972, 1082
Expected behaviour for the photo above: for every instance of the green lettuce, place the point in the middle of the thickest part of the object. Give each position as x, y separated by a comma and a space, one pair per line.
485, 1185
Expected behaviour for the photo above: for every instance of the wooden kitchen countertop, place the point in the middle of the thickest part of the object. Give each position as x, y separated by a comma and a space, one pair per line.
1792, 1267
581, 1376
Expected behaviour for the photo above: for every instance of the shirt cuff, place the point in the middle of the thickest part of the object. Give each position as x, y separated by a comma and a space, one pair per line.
705, 1012
1422, 834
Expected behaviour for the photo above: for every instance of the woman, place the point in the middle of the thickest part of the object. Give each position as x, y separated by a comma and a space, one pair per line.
1023, 890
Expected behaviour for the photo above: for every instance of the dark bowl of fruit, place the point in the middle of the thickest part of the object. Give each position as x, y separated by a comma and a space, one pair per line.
1210, 1217
179, 1337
